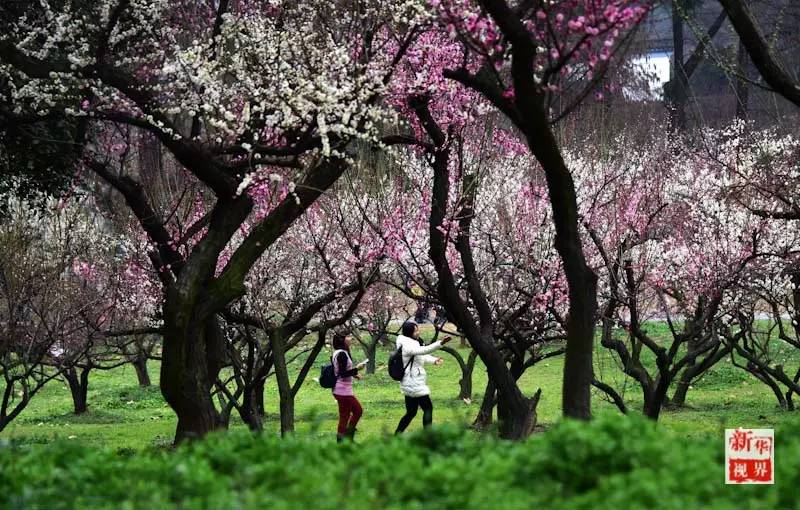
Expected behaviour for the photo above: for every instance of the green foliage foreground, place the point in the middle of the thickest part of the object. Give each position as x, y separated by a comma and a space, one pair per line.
612, 462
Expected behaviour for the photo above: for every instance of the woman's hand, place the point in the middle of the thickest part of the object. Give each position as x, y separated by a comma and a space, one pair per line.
357, 376
438, 361
446, 339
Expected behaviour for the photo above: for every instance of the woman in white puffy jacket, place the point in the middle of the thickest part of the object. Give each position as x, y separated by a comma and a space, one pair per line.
415, 381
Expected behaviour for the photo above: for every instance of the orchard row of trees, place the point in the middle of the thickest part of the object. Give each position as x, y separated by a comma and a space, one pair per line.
277, 187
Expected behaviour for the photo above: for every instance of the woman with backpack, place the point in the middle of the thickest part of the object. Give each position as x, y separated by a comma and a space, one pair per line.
415, 380
350, 409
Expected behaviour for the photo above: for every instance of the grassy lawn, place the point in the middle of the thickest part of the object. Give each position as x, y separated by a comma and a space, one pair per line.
121, 414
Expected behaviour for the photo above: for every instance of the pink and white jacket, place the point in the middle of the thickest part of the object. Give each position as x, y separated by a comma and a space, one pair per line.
344, 378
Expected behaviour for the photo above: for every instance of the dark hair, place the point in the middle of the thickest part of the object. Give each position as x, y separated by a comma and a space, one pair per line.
408, 328
338, 342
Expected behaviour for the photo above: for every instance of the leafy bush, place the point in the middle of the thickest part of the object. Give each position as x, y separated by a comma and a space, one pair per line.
611, 463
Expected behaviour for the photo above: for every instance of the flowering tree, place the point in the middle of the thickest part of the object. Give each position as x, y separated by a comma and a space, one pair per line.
371, 325
492, 284
313, 281
234, 97
521, 56
675, 248
762, 181
51, 313
117, 277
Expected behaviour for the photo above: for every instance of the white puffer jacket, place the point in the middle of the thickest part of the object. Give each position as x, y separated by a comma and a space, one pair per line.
415, 380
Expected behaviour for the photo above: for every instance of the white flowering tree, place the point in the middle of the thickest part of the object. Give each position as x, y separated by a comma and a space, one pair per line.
54, 309
763, 181
235, 92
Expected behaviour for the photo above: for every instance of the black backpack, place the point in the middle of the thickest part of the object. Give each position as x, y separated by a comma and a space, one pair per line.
396, 369
327, 377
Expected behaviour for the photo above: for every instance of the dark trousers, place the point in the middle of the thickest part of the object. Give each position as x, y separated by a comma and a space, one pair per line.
412, 404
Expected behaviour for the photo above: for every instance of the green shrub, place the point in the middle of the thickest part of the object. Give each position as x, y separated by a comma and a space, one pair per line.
611, 463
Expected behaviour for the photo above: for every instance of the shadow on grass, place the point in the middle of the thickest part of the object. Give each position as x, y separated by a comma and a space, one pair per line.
90, 417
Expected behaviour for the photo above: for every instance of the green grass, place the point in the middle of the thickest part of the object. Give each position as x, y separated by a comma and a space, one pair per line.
125, 416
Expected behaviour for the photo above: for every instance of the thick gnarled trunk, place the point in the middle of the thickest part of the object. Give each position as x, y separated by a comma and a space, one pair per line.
191, 360
581, 280
519, 421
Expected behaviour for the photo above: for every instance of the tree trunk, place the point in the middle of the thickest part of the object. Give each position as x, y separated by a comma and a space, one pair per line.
140, 365
191, 360
651, 407
677, 89
258, 392
770, 382
79, 388
372, 353
484, 418
515, 412
789, 392
11, 407
581, 280
226, 407
578, 368
285, 397
516, 422
682, 387
694, 371
655, 399
777, 391
249, 411
518, 415
465, 385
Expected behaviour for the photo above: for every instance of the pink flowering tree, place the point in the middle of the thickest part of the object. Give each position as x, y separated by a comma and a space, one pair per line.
673, 248
312, 282
233, 96
518, 57
118, 277
476, 271
374, 322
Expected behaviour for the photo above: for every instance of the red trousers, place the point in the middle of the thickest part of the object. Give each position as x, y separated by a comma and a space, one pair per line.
349, 412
